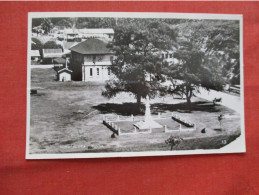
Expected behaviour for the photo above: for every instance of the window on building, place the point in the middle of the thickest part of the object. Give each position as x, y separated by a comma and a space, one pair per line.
91, 72
97, 71
166, 55
162, 56
170, 55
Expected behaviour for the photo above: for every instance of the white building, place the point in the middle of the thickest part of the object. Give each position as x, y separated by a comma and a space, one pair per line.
64, 74
90, 61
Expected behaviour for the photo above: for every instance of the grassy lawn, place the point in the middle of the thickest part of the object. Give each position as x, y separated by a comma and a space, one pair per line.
67, 117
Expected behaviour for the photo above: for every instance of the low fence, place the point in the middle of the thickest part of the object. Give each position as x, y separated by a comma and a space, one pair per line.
182, 121
179, 130
110, 123
114, 128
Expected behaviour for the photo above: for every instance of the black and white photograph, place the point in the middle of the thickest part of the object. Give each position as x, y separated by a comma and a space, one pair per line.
106, 84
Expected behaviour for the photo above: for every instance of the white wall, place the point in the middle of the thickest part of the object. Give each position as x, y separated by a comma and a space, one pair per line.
65, 75
103, 73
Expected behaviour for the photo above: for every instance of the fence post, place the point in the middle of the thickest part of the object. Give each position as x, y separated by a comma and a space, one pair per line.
165, 128
119, 131
118, 118
159, 115
132, 117
135, 130
180, 127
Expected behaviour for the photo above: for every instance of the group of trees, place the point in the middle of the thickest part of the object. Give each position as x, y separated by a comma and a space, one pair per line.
38, 45
137, 66
207, 53
47, 24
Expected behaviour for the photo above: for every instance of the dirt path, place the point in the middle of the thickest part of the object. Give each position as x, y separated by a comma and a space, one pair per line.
228, 100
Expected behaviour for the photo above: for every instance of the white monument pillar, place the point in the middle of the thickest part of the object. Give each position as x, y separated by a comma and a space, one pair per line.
148, 121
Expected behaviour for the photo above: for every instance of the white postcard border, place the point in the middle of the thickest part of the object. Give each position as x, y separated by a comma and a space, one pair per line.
237, 146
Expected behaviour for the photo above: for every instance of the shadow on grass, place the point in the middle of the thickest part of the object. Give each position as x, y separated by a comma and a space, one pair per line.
132, 108
125, 109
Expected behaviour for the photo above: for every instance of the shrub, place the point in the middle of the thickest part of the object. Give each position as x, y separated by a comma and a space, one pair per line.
173, 141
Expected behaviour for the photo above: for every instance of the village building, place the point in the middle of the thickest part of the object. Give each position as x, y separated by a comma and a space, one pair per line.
70, 35
91, 61
49, 55
105, 34
64, 74
168, 56
35, 55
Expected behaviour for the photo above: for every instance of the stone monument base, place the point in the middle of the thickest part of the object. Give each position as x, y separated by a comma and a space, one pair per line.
147, 125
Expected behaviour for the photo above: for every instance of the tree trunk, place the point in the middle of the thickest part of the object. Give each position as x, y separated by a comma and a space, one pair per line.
188, 98
138, 100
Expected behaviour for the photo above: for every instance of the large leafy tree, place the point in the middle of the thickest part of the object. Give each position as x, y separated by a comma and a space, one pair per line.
138, 66
217, 38
223, 42
194, 70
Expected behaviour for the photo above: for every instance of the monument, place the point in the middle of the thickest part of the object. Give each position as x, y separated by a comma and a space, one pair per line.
148, 121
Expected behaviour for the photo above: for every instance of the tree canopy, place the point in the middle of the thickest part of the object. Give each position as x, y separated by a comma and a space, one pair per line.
138, 65
194, 70
52, 45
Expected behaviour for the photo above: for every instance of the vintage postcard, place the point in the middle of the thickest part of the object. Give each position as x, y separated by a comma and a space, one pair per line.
105, 84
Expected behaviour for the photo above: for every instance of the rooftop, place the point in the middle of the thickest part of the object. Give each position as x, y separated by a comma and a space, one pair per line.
35, 53
91, 46
96, 31
50, 53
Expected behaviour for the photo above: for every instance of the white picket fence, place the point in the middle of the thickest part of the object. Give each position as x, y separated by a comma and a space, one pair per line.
180, 129
111, 122
118, 129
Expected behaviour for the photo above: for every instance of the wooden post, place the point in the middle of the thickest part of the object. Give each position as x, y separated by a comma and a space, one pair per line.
135, 130
132, 117
165, 128
118, 118
180, 127
159, 115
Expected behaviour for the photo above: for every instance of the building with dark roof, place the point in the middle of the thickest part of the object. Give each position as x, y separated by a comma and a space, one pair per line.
90, 61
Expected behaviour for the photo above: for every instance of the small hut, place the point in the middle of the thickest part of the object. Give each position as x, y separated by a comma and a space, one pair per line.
64, 74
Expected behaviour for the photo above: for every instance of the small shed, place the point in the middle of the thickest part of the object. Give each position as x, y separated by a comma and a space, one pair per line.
64, 74
35, 55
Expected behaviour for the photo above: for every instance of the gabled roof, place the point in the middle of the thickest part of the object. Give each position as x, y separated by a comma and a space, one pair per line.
65, 70
91, 46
